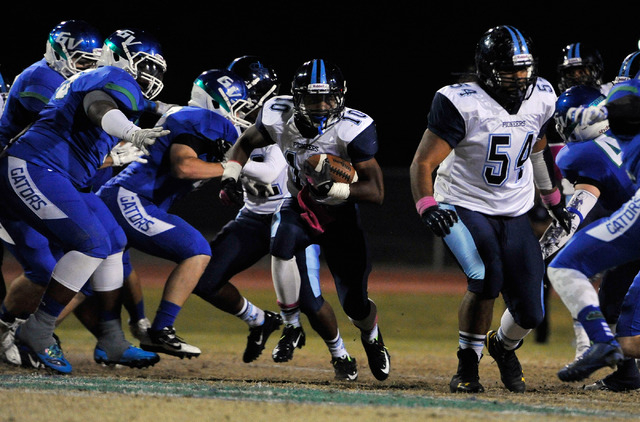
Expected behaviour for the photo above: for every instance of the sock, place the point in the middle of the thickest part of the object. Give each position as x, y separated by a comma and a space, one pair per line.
595, 325
471, 341
165, 315
336, 347
509, 344
50, 305
112, 339
290, 316
37, 331
251, 314
371, 335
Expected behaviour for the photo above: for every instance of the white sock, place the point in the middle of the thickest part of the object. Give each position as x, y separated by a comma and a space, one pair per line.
251, 314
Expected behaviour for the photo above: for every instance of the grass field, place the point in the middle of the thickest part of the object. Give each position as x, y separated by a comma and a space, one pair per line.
417, 314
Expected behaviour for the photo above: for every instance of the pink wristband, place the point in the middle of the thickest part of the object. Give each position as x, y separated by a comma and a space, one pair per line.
424, 203
551, 198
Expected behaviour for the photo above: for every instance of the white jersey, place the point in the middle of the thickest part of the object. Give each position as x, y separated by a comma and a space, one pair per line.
489, 170
266, 165
354, 127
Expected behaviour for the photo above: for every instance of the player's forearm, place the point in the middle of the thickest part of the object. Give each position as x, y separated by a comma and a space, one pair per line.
195, 169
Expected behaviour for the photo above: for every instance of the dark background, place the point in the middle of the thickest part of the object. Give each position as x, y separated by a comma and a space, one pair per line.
394, 56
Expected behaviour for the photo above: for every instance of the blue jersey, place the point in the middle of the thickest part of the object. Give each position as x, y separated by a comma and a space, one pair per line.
630, 145
64, 139
192, 126
29, 93
598, 162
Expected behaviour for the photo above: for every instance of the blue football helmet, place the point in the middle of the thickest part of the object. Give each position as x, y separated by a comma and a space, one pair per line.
318, 90
222, 91
504, 49
140, 54
630, 68
576, 96
580, 64
260, 79
73, 46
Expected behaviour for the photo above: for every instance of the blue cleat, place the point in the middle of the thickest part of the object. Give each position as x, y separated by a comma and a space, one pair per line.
598, 356
133, 357
51, 357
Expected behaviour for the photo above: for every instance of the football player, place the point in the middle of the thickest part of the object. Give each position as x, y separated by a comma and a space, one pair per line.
245, 239
42, 180
312, 120
479, 200
604, 244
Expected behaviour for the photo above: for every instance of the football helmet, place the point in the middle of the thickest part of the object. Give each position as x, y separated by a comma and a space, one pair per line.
630, 68
222, 91
260, 79
576, 96
502, 51
73, 46
140, 54
318, 90
580, 64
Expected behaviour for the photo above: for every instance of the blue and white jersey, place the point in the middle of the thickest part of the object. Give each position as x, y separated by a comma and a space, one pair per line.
64, 139
268, 156
29, 93
630, 145
598, 162
353, 137
488, 170
192, 126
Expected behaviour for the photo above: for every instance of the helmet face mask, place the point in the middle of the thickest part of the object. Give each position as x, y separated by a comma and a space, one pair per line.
139, 54
580, 65
576, 96
505, 65
223, 92
318, 90
72, 47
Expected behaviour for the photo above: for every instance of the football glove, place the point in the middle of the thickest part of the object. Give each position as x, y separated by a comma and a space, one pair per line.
589, 115
126, 153
320, 182
256, 188
220, 148
562, 216
143, 138
231, 192
439, 220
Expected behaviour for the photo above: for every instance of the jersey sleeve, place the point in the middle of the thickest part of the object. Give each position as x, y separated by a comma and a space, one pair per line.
364, 146
445, 120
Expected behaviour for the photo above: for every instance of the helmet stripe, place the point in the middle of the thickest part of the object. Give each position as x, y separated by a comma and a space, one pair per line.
519, 42
318, 75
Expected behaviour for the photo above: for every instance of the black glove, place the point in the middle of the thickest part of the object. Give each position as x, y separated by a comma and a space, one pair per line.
231, 192
320, 182
439, 220
560, 213
220, 148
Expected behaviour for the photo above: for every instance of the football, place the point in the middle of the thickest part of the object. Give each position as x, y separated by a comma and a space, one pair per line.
341, 170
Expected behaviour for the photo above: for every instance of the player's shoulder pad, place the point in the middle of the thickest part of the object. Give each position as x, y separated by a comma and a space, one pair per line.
352, 123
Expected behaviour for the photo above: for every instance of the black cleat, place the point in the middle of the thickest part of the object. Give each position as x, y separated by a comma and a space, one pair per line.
466, 380
598, 356
345, 368
258, 336
166, 341
292, 337
508, 363
378, 356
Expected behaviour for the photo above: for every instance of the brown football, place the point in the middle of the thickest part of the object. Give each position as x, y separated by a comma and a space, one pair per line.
341, 170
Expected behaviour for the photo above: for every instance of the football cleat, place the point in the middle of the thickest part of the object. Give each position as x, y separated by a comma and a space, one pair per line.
9, 352
378, 356
598, 356
166, 341
625, 378
139, 329
132, 357
51, 357
258, 336
345, 368
466, 380
508, 363
291, 338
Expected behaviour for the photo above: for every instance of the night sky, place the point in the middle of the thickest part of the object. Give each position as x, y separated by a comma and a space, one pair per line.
394, 58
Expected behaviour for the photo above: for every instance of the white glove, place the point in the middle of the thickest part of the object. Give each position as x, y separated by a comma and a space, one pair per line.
585, 116
126, 153
142, 138
162, 108
256, 188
